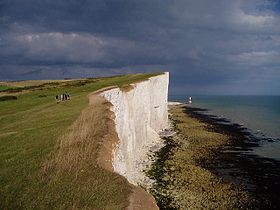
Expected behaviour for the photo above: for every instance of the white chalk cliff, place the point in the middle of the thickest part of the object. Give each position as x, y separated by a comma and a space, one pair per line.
140, 114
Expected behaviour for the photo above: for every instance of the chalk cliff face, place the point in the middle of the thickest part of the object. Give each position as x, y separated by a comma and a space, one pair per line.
140, 114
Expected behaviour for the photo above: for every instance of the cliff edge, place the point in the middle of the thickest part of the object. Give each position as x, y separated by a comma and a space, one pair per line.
140, 114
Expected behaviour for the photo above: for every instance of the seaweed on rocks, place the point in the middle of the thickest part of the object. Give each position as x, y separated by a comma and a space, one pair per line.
207, 164
157, 172
260, 176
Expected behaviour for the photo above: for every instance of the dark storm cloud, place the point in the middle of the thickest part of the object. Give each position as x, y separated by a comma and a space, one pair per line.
208, 46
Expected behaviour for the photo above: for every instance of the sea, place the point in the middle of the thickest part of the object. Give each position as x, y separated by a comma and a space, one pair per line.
259, 114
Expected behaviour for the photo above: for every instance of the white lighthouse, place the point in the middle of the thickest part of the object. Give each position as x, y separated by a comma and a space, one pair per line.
190, 100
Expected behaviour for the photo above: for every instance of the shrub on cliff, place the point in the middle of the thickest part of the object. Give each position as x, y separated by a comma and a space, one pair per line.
7, 98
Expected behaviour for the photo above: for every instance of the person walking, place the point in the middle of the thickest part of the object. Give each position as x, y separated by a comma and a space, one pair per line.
57, 99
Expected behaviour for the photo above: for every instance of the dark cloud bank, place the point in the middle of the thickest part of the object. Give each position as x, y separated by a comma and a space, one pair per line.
210, 47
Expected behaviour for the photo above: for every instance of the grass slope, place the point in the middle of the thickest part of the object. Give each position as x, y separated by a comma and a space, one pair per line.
30, 128
5, 87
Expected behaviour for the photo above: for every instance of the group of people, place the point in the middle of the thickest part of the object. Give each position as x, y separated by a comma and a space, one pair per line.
62, 97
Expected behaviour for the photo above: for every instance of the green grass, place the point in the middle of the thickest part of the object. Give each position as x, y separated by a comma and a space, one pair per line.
5, 87
29, 130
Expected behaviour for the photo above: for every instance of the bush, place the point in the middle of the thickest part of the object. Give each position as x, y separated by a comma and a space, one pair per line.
7, 98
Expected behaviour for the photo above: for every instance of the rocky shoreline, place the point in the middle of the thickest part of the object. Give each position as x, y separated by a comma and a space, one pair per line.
207, 165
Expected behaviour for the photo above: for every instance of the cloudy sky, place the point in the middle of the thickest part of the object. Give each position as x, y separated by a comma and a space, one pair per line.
209, 47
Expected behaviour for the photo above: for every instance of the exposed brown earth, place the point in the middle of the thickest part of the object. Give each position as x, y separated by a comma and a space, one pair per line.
140, 200
110, 139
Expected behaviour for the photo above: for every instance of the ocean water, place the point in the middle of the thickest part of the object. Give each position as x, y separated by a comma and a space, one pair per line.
259, 114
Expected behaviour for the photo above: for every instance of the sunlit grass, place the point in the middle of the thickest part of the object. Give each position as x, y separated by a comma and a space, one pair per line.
5, 87
30, 129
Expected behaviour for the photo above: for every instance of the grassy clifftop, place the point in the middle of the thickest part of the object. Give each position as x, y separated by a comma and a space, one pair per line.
31, 131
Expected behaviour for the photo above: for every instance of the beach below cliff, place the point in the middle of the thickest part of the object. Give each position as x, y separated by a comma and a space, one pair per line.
208, 165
